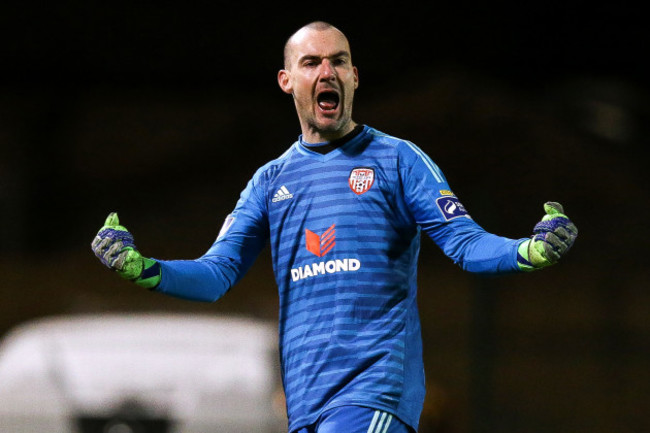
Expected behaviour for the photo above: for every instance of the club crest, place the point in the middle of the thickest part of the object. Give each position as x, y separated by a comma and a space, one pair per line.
361, 179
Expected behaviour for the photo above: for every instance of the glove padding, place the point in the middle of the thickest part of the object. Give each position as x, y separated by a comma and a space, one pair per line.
553, 237
115, 248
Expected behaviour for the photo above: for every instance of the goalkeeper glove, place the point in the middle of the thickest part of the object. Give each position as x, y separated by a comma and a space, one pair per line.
114, 247
553, 237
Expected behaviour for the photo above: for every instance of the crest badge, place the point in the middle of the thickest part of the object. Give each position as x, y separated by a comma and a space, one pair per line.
361, 179
451, 208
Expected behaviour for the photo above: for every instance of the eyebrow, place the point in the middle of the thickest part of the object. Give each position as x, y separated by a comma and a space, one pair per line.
342, 53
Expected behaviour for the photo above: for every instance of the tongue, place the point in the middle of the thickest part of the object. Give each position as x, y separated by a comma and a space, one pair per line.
327, 105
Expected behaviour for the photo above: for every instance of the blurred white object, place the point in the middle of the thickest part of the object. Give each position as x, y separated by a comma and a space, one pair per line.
196, 373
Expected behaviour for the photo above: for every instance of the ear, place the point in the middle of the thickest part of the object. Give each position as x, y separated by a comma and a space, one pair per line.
356, 77
284, 80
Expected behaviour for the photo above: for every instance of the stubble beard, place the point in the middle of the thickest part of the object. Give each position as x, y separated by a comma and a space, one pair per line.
328, 127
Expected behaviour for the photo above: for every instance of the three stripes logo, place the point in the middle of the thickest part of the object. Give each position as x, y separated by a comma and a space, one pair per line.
380, 422
321, 245
282, 194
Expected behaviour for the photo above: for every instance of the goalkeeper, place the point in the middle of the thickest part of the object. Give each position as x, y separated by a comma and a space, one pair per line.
343, 210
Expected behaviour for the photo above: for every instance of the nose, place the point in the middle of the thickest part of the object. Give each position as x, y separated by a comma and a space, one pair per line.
327, 70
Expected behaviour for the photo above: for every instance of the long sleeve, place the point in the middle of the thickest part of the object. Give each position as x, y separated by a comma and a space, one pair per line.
473, 248
243, 235
440, 214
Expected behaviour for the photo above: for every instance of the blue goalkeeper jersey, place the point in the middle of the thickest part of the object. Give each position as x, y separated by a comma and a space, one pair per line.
344, 230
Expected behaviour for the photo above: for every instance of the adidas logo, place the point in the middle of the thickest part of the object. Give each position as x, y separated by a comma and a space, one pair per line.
282, 194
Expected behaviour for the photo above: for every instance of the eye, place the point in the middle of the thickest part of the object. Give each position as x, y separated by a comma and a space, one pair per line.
310, 62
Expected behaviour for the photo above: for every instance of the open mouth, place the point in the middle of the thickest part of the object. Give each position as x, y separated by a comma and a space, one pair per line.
328, 100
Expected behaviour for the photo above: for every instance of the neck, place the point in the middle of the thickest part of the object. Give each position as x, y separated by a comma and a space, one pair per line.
328, 146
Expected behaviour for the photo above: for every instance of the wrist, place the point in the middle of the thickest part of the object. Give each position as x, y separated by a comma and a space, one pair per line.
151, 274
523, 257
143, 271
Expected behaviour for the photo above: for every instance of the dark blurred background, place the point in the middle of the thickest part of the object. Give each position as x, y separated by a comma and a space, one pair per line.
162, 111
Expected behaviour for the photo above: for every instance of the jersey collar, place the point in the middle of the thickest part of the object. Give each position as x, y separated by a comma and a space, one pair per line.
342, 145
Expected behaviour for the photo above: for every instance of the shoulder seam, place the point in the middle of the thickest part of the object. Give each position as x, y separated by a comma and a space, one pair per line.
431, 166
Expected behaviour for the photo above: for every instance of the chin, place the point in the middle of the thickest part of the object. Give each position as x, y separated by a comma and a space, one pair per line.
332, 124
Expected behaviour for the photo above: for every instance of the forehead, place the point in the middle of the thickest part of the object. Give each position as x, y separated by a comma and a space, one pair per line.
320, 43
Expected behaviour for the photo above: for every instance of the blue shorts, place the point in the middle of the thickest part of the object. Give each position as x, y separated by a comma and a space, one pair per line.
356, 419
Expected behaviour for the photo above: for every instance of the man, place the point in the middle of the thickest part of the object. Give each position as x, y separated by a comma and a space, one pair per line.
343, 209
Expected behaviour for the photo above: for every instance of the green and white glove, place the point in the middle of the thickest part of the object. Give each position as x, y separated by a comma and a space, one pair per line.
114, 247
553, 237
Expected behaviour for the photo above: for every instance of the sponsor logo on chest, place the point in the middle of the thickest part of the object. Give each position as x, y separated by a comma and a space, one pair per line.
320, 245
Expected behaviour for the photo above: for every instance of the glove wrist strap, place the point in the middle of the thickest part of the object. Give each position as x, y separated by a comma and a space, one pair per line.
523, 258
151, 274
